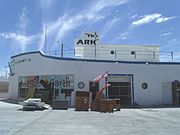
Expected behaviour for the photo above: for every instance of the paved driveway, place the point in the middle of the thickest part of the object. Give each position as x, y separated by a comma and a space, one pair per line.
161, 121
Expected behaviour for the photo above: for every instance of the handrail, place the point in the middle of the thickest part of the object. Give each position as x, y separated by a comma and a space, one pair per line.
163, 55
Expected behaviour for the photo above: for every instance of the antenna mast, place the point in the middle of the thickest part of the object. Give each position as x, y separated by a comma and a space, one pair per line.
45, 38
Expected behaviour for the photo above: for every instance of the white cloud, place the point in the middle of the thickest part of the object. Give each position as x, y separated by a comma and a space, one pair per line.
59, 28
70, 22
19, 37
20, 40
124, 36
163, 19
172, 41
88, 15
146, 19
23, 20
94, 11
42, 39
102, 4
156, 17
108, 25
165, 34
134, 16
45, 4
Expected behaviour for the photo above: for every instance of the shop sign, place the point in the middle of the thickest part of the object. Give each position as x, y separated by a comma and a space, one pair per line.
42, 82
88, 39
47, 86
19, 61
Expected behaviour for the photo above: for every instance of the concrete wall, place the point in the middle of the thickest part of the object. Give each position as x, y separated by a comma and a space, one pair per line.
154, 74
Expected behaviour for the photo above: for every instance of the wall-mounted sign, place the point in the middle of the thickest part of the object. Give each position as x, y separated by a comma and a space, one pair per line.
48, 86
88, 39
41, 82
19, 61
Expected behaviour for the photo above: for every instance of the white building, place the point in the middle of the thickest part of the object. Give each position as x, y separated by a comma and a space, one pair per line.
88, 46
143, 80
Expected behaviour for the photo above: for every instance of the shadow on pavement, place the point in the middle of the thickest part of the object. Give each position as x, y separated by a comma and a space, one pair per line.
11, 101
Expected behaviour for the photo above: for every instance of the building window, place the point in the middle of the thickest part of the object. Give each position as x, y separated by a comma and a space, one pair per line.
144, 85
133, 52
112, 52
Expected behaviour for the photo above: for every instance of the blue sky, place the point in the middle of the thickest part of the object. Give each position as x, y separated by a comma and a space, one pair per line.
133, 22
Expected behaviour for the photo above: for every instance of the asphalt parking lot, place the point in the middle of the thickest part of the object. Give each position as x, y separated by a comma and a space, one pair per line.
149, 121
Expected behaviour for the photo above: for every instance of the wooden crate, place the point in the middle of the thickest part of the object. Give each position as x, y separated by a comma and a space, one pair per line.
110, 105
106, 105
95, 105
82, 101
103, 106
82, 104
117, 104
82, 93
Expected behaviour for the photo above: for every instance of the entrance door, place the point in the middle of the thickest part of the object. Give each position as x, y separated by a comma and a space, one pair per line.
120, 88
167, 93
176, 92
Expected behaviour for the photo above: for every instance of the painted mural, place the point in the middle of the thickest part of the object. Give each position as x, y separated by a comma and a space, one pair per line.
47, 87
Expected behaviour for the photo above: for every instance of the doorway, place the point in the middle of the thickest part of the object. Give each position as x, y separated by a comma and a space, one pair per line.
121, 87
176, 92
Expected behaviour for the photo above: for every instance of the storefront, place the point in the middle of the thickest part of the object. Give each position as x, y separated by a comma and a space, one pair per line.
47, 87
140, 82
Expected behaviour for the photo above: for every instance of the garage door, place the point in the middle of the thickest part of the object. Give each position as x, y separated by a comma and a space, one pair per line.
121, 87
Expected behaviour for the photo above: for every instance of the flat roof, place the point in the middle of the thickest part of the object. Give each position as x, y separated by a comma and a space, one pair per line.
95, 60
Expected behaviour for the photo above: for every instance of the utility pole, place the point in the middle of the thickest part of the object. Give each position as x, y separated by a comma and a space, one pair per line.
62, 50
172, 56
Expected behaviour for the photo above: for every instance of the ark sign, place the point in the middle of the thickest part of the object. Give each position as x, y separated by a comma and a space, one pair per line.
88, 39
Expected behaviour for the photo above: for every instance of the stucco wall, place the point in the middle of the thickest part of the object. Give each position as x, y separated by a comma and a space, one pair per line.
153, 74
